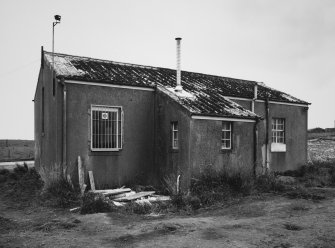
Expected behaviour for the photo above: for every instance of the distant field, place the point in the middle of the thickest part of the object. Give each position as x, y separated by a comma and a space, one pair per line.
16, 150
321, 150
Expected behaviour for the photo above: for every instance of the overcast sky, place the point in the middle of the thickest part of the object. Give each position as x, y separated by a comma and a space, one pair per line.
289, 45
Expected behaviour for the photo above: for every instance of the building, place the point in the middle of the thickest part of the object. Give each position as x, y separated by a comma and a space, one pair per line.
134, 123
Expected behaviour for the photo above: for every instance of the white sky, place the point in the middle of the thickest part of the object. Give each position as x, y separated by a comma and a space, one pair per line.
287, 44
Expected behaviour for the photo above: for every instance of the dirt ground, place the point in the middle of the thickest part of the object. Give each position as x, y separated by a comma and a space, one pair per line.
265, 220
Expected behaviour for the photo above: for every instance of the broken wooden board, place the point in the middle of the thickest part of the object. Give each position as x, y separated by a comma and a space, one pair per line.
136, 196
108, 192
121, 195
81, 174
75, 209
157, 198
90, 174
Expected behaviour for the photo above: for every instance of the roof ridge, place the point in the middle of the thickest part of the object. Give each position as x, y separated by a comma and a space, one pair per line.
105, 60
151, 67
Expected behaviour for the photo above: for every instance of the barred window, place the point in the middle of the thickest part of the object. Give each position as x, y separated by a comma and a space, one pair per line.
226, 135
278, 130
174, 130
106, 128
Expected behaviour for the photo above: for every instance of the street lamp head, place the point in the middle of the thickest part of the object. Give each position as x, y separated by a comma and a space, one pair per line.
57, 18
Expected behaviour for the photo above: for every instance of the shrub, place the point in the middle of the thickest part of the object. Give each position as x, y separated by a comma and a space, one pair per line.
20, 170
61, 193
213, 186
21, 186
268, 183
53, 173
303, 193
194, 202
178, 200
58, 189
4, 172
94, 203
170, 184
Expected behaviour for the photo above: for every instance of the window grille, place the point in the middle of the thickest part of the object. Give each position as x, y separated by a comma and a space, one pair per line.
226, 135
106, 128
278, 130
174, 129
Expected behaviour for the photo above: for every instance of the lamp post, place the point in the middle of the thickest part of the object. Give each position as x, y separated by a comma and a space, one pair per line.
57, 20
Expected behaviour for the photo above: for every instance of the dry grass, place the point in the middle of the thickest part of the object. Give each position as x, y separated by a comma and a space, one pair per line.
53, 173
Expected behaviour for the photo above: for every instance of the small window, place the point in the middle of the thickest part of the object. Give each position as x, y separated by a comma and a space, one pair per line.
278, 130
226, 135
174, 130
106, 128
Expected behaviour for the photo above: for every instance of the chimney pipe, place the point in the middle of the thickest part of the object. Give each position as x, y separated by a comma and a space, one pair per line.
178, 88
255, 97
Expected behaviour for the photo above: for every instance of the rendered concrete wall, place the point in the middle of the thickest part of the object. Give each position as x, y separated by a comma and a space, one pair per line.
206, 147
170, 162
296, 120
135, 161
48, 144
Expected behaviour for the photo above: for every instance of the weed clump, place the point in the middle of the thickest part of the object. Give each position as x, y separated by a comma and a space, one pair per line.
58, 189
61, 193
292, 227
268, 183
213, 186
318, 174
94, 203
20, 186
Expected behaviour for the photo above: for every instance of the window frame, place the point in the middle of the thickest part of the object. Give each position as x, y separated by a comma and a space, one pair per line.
230, 130
275, 137
174, 139
119, 119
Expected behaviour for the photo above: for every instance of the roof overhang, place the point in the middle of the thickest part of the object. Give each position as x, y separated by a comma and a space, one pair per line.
276, 102
218, 118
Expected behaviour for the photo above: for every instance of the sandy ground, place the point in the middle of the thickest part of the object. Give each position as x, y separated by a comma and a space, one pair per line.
255, 221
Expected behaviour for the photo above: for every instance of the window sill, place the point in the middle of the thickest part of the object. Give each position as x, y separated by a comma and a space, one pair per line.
278, 147
105, 153
226, 150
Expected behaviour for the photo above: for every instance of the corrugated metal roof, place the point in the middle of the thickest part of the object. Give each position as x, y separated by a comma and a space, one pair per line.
209, 93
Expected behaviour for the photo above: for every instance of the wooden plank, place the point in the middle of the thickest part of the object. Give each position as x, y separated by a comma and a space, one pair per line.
136, 196
81, 174
122, 195
90, 174
156, 198
108, 192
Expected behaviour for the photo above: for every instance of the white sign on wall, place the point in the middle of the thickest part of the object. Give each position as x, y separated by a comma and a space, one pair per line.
104, 116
